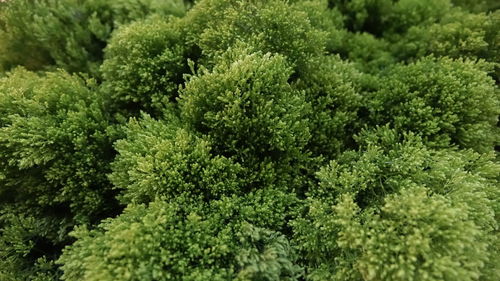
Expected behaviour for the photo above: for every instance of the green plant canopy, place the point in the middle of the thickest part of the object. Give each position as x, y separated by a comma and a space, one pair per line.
249, 140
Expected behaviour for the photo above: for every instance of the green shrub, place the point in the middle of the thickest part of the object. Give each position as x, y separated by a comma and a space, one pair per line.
363, 15
329, 21
382, 17
332, 86
53, 137
477, 5
192, 244
408, 13
144, 64
249, 111
55, 154
249, 140
30, 243
458, 34
160, 158
396, 210
370, 54
446, 101
266, 26
69, 34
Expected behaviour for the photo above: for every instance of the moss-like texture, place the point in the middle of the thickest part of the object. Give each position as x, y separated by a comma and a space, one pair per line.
249, 140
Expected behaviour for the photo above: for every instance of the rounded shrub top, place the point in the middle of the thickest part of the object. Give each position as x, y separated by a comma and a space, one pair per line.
247, 107
53, 132
54, 157
162, 159
396, 209
169, 241
144, 65
446, 101
250, 140
267, 26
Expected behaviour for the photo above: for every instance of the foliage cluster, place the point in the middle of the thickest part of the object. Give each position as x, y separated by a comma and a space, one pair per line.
249, 140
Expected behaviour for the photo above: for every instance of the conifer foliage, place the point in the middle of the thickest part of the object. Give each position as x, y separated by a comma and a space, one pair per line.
156, 140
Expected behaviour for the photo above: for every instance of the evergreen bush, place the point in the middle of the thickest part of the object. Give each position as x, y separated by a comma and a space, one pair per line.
397, 210
171, 241
333, 87
144, 65
55, 154
250, 112
446, 101
163, 159
249, 140
69, 34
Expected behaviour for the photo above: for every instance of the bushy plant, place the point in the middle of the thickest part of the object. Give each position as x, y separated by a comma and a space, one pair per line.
381, 17
397, 210
477, 5
249, 111
249, 140
53, 137
69, 34
329, 21
266, 26
160, 158
446, 101
169, 241
333, 87
369, 53
379, 33
55, 153
144, 65
458, 34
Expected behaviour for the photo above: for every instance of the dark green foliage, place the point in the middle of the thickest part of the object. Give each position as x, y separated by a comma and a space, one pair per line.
366, 15
67, 33
144, 64
329, 21
477, 5
380, 17
53, 137
120, 12
408, 13
29, 244
190, 243
458, 34
370, 54
396, 210
445, 101
55, 154
332, 86
410, 29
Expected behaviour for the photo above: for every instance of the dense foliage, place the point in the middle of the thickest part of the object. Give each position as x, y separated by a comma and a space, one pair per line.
249, 140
